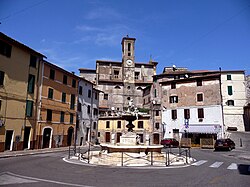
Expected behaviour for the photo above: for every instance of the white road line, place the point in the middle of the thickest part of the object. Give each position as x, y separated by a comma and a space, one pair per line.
233, 166
199, 163
45, 180
216, 165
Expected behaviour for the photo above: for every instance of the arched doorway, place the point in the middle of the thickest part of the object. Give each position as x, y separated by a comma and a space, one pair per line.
70, 136
47, 137
156, 138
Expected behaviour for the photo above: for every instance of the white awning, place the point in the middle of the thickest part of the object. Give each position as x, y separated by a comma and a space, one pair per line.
204, 129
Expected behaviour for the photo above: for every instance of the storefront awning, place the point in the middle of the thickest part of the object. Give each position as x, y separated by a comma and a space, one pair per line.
203, 129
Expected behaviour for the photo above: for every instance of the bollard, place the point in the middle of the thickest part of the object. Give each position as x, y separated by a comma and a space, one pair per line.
240, 142
69, 153
168, 159
122, 159
186, 157
151, 158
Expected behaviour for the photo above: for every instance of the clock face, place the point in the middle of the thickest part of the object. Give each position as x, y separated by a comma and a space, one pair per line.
129, 62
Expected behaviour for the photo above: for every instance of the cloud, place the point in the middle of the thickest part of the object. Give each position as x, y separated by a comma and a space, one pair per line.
103, 13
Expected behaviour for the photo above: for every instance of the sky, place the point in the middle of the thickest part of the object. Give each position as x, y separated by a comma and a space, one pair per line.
73, 34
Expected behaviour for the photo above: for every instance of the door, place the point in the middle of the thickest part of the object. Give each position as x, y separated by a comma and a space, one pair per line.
9, 140
107, 136
156, 138
118, 135
46, 137
26, 137
70, 136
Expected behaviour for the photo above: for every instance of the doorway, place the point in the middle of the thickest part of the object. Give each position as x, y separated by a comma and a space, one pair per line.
118, 135
156, 138
70, 136
46, 138
9, 140
107, 137
26, 138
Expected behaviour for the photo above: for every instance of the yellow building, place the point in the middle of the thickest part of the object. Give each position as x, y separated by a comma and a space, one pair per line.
111, 128
57, 107
19, 77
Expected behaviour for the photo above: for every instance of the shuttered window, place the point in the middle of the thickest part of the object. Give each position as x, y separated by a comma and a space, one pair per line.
29, 108
31, 83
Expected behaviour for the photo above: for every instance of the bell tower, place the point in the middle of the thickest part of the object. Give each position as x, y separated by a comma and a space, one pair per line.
128, 65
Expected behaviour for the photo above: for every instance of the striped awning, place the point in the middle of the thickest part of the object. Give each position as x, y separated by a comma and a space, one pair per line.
203, 129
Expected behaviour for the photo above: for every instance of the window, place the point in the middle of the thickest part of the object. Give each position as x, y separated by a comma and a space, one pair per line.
106, 96
119, 124
177, 77
229, 77
173, 99
116, 74
72, 102
62, 117
52, 74
65, 79
5, 49
200, 113
29, 108
186, 113
94, 125
174, 114
140, 124
157, 112
230, 90
1, 78
79, 107
107, 124
64, 97
137, 74
157, 125
33, 60
173, 85
71, 120
95, 111
96, 95
88, 109
129, 46
199, 82
89, 93
50, 93
199, 97
31, 83
49, 115
73, 83
230, 102
80, 90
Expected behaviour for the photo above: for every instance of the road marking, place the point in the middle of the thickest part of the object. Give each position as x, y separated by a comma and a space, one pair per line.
199, 163
44, 180
216, 165
233, 166
6, 179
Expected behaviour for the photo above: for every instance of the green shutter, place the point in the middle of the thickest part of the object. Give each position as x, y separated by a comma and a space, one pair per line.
29, 108
230, 90
31, 83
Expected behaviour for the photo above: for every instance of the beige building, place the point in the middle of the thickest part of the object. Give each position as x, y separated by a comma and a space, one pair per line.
57, 107
19, 77
121, 83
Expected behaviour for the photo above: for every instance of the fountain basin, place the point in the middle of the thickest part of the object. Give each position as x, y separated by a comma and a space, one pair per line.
131, 148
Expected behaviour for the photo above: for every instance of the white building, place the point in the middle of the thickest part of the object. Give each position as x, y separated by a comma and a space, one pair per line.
87, 110
233, 87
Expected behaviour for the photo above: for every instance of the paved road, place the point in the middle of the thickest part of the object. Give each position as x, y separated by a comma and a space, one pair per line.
210, 169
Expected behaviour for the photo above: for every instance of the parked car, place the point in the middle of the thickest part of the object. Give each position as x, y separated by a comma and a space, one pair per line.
169, 142
224, 144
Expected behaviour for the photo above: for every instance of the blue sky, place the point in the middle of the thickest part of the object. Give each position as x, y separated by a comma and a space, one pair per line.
73, 34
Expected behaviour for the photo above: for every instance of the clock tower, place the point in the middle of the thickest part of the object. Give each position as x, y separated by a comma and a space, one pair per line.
128, 65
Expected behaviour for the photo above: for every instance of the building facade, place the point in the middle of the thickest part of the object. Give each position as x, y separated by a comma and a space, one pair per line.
57, 107
121, 83
87, 109
19, 77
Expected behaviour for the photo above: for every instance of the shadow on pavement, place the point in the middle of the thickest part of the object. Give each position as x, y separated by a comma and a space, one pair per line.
244, 169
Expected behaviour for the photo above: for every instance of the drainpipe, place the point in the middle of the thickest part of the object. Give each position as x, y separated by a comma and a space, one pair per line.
222, 108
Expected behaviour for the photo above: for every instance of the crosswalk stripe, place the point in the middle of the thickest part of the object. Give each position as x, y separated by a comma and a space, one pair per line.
199, 163
216, 165
233, 166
